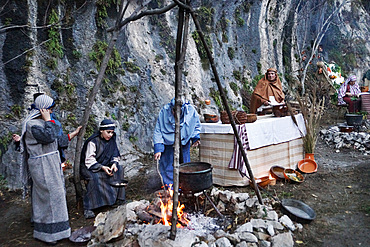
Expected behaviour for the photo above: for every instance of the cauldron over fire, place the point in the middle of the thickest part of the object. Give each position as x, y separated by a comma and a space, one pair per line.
195, 177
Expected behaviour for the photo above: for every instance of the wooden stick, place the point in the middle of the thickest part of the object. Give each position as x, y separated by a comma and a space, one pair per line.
223, 97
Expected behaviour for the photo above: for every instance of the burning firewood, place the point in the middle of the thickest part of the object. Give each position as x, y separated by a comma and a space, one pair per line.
182, 221
155, 213
147, 217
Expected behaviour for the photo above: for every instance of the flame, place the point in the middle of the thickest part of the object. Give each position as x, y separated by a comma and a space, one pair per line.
271, 177
166, 210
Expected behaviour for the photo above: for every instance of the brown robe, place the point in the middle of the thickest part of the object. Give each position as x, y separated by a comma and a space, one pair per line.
264, 89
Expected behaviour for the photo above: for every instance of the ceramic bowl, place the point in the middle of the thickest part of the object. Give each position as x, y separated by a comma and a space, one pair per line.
277, 172
307, 166
293, 176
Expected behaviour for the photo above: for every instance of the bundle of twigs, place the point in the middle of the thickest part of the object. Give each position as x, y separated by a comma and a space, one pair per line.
312, 107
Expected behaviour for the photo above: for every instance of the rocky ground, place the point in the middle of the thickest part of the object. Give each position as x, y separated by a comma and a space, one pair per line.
338, 192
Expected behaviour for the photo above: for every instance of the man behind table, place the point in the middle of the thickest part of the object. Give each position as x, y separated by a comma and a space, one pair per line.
269, 85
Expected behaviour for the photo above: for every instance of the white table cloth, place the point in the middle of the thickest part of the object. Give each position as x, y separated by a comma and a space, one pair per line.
267, 130
273, 141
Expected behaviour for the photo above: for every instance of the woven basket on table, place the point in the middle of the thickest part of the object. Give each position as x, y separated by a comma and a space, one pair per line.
240, 117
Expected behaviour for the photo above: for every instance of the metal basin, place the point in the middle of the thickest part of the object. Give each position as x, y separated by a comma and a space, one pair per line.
298, 211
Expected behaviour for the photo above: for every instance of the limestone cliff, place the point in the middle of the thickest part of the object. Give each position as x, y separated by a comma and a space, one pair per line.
55, 47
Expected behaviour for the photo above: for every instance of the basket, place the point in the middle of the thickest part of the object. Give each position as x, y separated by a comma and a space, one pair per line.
210, 118
240, 117
251, 118
280, 111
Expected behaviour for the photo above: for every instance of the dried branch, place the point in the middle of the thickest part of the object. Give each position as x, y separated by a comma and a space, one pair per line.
25, 52
135, 16
322, 30
312, 106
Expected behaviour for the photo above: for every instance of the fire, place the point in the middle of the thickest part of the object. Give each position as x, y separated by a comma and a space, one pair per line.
166, 210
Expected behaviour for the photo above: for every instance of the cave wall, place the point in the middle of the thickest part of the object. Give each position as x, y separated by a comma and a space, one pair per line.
246, 37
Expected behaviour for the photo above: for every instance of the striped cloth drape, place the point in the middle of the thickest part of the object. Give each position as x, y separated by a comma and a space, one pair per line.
236, 161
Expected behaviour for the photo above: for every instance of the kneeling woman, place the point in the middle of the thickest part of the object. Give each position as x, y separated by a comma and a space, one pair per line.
99, 167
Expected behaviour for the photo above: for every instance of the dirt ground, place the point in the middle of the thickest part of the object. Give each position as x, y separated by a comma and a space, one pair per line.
338, 192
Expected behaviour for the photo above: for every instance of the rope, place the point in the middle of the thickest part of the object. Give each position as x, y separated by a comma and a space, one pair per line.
160, 174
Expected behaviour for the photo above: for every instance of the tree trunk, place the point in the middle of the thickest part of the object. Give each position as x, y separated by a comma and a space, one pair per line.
181, 45
224, 101
90, 102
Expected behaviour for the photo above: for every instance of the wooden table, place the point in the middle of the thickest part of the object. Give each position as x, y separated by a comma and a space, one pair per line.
272, 141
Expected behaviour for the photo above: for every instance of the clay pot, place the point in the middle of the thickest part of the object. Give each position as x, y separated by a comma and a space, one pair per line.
309, 156
364, 88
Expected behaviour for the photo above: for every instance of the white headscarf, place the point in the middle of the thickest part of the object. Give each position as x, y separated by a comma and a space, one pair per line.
41, 102
354, 89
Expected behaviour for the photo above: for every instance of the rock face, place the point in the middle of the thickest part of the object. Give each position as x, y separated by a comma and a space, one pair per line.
246, 38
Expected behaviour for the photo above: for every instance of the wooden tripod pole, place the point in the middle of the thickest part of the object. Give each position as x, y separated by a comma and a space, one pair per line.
181, 45
222, 94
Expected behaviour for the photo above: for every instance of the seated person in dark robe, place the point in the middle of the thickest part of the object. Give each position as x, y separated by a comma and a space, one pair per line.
349, 93
100, 168
269, 85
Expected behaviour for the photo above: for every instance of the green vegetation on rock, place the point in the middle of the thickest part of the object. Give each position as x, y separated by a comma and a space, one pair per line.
237, 75
98, 53
101, 11
4, 142
200, 48
131, 67
231, 53
205, 18
54, 46
235, 88
238, 19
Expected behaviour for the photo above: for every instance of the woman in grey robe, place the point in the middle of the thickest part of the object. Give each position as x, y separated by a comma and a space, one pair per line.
42, 169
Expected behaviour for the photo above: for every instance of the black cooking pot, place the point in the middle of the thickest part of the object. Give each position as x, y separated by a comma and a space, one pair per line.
195, 176
354, 119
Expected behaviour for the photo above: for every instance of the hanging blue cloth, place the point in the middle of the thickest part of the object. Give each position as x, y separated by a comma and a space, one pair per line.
164, 136
164, 132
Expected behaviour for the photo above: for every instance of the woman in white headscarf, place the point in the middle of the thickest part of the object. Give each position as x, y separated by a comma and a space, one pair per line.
41, 168
349, 94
